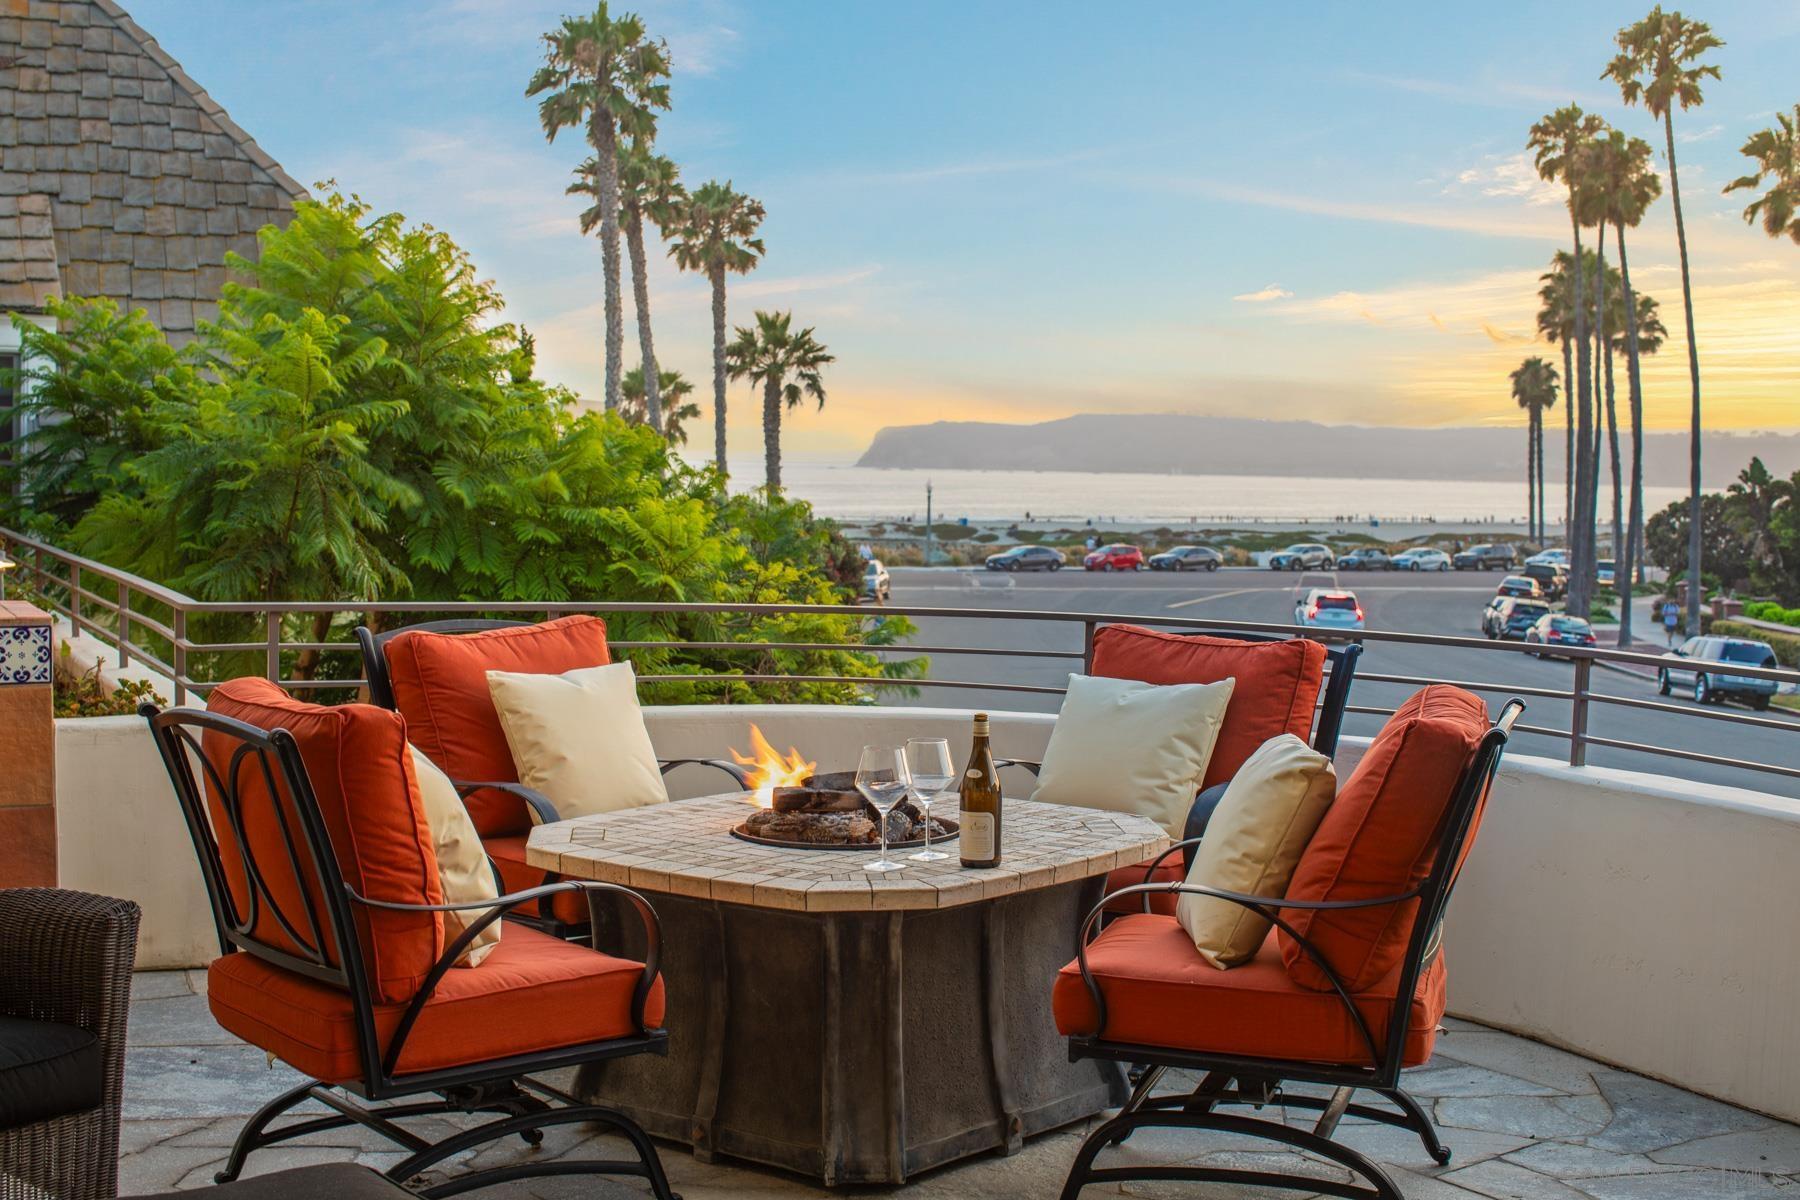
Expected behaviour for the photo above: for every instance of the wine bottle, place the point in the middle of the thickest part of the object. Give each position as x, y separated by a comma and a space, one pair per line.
980, 802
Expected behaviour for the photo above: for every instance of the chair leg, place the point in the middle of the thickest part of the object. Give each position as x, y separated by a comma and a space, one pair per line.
1420, 1122
1084, 1172
250, 1137
647, 1165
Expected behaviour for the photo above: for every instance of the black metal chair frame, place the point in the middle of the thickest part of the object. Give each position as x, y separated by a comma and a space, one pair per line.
504, 1086
381, 694
1259, 1081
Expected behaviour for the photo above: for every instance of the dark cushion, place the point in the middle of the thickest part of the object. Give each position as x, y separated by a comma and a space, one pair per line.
46, 1070
324, 1181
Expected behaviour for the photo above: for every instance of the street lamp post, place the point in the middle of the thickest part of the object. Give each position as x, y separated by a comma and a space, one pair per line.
928, 529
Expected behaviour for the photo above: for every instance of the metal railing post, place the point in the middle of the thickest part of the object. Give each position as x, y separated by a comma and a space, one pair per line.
272, 656
1087, 647
1578, 714
179, 656
75, 599
124, 624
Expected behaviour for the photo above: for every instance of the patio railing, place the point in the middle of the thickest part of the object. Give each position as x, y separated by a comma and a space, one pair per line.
149, 625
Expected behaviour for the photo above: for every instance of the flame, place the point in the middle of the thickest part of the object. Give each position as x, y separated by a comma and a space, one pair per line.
769, 769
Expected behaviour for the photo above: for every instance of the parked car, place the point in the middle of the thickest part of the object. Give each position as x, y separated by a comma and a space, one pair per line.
1117, 557
1520, 585
1027, 558
1555, 554
1302, 556
1187, 558
1559, 629
1421, 558
1604, 571
1511, 616
1365, 558
1552, 577
1329, 608
876, 585
1489, 556
1697, 662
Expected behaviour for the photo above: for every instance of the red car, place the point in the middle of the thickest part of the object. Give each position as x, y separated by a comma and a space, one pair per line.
1114, 558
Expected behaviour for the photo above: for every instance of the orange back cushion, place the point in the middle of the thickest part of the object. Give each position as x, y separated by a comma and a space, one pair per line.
440, 686
362, 777
1278, 683
1379, 838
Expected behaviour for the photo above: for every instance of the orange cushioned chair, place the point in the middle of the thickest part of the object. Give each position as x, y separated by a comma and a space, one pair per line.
435, 675
323, 879
1347, 990
1279, 681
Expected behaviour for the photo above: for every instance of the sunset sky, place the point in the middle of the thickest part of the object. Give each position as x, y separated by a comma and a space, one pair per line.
1016, 212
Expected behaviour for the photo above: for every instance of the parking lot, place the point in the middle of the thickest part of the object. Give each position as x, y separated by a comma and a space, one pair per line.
1447, 603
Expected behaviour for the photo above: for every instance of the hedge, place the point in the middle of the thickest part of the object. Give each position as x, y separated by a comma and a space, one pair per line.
1768, 610
1785, 645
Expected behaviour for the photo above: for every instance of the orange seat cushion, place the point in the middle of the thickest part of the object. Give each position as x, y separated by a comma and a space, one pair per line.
1160, 992
440, 687
1278, 683
1170, 870
362, 778
533, 993
508, 853
1379, 838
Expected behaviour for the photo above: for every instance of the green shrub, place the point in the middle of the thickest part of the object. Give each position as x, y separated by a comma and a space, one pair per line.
1786, 646
81, 694
1768, 610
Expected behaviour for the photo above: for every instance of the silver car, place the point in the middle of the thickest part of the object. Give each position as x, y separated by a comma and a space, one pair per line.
876, 585
1697, 663
1303, 556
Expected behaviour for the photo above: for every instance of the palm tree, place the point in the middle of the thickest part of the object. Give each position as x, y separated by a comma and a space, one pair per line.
1777, 154
1658, 63
678, 410
713, 231
1558, 143
602, 73
1556, 325
649, 186
1591, 203
1534, 387
786, 365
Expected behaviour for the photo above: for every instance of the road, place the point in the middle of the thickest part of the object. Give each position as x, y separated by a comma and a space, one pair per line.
1448, 604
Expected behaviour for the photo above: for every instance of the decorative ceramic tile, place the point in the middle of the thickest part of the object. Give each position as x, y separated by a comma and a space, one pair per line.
24, 654
686, 847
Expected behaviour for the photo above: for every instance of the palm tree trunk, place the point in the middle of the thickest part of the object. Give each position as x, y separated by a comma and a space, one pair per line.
640, 295
1580, 529
1618, 495
1634, 523
1569, 433
1543, 534
1530, 466
716, 272
772, 435
606, 150
1687, 307
1601, 363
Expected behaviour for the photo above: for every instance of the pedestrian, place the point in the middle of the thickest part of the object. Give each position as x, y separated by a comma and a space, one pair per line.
1671, 618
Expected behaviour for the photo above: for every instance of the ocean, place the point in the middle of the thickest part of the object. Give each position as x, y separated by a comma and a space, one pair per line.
870, 493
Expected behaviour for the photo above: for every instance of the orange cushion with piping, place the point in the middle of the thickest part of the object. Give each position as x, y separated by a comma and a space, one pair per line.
1278, 683
440, 686
361, 773
1172, 869
1379, 838
508, 853
1160, 992
533, 993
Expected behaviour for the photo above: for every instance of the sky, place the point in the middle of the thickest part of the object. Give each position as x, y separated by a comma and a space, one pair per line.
1012, 211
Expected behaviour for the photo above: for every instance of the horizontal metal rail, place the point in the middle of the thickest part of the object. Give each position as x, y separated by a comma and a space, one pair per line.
111, 604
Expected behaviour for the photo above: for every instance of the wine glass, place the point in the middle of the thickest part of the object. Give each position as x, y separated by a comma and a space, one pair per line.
882, 778
928, 762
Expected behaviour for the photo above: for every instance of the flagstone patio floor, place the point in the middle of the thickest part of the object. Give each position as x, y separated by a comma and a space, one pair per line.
1525, 1122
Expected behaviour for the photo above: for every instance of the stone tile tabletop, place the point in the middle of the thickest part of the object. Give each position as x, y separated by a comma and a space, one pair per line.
685, 847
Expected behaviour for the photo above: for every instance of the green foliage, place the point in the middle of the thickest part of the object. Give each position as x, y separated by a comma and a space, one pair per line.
1750, 534
360, 424
1786, 646
81, 694
1768, 610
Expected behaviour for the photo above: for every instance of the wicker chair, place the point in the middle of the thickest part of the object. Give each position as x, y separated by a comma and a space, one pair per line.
65, 964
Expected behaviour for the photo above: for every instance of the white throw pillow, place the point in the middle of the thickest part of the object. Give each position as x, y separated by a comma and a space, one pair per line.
1253, 842
463, 868
579, 738
1133, 747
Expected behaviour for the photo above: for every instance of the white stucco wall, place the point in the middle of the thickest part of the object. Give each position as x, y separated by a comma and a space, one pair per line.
1645, 922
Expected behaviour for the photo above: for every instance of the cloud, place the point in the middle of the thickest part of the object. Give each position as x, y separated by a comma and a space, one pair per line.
984, 165
1701, 135
1485, 92
1534, 224
1509, 175
1271, 292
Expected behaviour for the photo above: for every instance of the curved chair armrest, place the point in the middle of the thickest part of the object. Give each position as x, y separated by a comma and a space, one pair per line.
726, 765
497, 908
1033, 767
543, 809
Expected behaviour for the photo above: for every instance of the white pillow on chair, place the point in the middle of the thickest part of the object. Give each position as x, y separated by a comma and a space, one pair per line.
579, 738
464, 872
1133, 747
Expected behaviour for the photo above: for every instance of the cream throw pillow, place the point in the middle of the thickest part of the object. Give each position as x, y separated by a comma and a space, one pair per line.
1253, 842
579, 738
1133, 747
463, 868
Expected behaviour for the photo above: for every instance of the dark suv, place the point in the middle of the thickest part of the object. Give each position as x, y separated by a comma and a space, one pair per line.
1485, 557
1511, 616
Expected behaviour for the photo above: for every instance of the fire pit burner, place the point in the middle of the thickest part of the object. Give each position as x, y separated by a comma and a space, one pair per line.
825, 812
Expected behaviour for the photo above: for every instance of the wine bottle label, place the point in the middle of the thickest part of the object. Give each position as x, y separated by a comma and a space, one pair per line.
977, 836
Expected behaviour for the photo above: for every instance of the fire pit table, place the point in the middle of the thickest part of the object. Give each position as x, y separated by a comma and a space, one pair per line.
852, 1027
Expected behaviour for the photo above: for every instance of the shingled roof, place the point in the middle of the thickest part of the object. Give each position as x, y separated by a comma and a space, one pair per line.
119, 175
